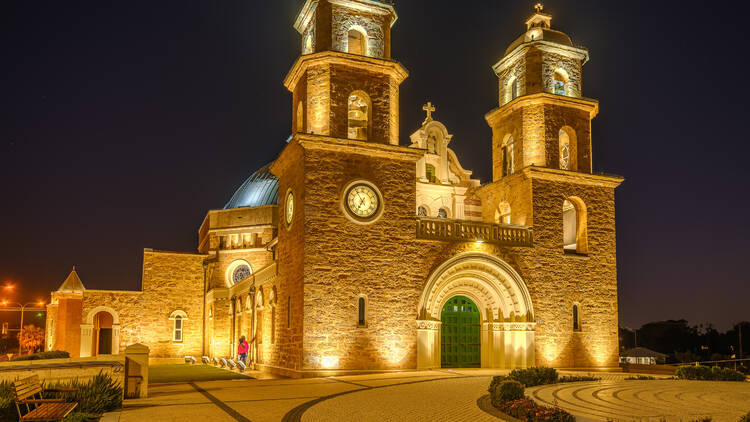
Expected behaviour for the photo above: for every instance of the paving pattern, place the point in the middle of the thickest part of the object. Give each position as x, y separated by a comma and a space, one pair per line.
448, 395
662, 400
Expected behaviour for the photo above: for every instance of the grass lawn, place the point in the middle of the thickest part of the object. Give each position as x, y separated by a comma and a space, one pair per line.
159, 374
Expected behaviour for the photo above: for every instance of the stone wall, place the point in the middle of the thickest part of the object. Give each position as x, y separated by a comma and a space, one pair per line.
286, 351
344, 260
377, 28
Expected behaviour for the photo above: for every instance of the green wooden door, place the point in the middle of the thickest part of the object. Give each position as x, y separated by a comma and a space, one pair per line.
461, 331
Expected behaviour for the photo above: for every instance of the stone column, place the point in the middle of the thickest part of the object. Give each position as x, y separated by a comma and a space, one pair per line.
136, 371
498, 346
115, 339
87, 332
428, 344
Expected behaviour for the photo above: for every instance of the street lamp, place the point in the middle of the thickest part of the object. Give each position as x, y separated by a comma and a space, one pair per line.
23, 308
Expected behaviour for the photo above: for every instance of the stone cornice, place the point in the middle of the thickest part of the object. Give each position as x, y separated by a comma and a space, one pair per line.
554, 175
548, 46
387, 67
428, 325
585, 104
350, 146
368, 6
509, 326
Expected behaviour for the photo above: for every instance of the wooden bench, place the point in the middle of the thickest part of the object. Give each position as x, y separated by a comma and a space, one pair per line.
28, 392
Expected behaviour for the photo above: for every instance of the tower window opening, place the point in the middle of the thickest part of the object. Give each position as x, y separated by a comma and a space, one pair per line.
442, 213
575, 232
422, 211
560, 82
509, 157
357, 43
576, 319
568, 149
307, 46
359, 116
300, 117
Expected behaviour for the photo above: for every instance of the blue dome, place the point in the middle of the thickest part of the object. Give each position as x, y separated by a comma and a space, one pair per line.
262, 188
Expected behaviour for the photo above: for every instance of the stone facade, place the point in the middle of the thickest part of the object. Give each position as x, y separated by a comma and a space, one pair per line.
318, 289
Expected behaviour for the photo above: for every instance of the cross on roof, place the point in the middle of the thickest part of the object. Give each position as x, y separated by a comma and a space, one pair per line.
429, 108
539, 7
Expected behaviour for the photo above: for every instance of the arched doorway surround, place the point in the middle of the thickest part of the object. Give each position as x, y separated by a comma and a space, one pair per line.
88, 334
504, 302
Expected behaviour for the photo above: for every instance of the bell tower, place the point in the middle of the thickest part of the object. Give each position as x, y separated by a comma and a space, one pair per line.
344, 84
543, 119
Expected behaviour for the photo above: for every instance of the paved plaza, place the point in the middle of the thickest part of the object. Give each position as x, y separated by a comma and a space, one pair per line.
444, 395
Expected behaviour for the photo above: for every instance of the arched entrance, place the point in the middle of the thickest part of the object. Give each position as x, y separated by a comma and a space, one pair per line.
100, 333
461, 332
504, 310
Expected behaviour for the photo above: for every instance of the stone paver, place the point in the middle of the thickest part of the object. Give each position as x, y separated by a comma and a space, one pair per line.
662, 400
430, 395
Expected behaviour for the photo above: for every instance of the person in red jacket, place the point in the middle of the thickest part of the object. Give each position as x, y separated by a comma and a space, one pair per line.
242, 350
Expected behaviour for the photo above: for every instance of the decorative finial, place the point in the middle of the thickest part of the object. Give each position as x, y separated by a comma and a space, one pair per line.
74, 267
429, 108
539, 7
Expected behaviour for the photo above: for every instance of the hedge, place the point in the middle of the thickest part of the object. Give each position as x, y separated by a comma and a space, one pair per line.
55, 354
705, 373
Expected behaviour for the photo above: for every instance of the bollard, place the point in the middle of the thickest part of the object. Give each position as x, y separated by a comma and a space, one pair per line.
136, 371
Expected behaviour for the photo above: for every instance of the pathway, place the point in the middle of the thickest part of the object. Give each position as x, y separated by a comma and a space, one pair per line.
444, 395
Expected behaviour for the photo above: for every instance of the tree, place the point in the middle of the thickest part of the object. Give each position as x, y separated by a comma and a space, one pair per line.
32, 338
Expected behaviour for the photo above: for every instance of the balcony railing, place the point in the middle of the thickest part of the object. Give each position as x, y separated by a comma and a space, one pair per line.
471, 231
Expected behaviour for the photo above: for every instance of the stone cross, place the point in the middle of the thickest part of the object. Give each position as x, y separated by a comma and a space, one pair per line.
429, 108
539, 7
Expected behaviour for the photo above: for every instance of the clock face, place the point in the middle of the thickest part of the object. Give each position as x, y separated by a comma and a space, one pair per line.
289, 208
363, 202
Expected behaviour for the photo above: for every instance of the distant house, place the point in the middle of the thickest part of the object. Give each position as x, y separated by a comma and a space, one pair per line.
642, 356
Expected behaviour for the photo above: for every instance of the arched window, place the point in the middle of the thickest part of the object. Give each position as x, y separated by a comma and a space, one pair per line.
359, 116
575, 232
178, 320
422, 211
502, 214
430, 171
357, 42
576, 319
307, 46
512, 89
509, 157
178, 329
568, 150
560, 82
300, 117
442, 213
361, 312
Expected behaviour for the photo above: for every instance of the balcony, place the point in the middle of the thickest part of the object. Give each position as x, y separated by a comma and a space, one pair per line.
471, 231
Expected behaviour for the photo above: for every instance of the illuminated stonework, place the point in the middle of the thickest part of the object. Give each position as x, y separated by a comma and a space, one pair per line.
357, 280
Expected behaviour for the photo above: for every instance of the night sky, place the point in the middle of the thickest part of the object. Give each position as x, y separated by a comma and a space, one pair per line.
124, 122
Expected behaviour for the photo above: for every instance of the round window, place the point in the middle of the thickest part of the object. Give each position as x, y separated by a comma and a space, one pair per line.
240, 273
289, 208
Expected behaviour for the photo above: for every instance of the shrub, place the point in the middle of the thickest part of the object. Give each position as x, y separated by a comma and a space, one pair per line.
528, 410
506, 391
640, 378
704, 373
99, 395
532, 377
578, 378
55, 354
745, 418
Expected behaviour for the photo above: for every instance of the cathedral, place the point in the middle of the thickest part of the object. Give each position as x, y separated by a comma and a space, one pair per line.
355, 251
